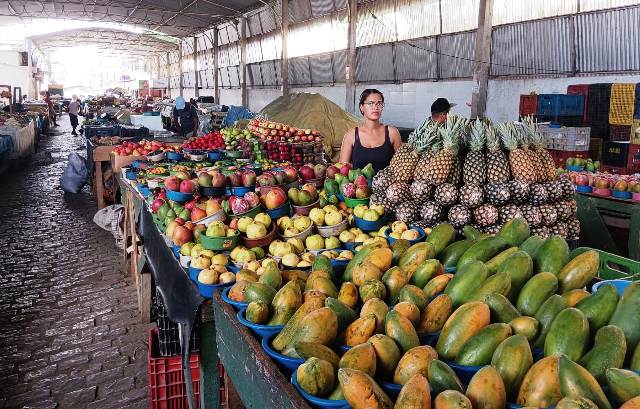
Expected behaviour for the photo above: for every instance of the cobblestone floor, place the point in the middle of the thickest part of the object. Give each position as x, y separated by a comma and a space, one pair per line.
70, 336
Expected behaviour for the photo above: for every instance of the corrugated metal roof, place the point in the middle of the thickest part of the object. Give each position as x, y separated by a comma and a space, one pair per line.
376, 23
511, 11
459, 15
591, 5
417, 18
460, 45
416, 62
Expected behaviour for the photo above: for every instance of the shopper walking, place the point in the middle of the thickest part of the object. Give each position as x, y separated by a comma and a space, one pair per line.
185, 118
52, 112
74, 110
373, 142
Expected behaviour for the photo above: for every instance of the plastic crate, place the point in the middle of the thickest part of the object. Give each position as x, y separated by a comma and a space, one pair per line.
581, 89
560, 157
166, 379
132, 132
566, 139
595, 148
612, 266
571, 121
633, 159
615, 154
635, 132
528, 105
598, 101
560, 105
620, 133
98, 130
169, 334
636, 113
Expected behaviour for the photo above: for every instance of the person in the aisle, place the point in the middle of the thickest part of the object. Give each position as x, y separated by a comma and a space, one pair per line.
52, 112
440, 109
185, 118
74, 109
373, 142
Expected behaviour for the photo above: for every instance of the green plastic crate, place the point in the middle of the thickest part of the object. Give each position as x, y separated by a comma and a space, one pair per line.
612, 266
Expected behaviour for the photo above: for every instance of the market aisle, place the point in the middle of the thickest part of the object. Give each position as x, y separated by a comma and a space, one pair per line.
70, 335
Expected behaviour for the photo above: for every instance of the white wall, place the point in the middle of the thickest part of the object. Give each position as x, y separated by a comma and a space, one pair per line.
11, 73
259, 98
230, 96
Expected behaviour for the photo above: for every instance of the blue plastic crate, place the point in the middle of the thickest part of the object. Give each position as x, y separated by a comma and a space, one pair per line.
636, 114
560, 105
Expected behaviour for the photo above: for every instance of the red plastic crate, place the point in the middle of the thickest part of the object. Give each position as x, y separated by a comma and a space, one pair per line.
620, 133
633, 156
614, 169
528, 105
581, 89
560, 157
166, 379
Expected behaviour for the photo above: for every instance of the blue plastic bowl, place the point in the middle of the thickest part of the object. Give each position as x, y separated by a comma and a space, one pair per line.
193, 273
451, 269
175, 156
176, 251
621, 195
286, 361
391, 389
144, 190
537, 353
584, 189
216, 155
241, 190
420, 238
429, 338
236, 304
178, 196
318, 402
343, 348
514, 406
351, 245
233, 268
279, 211
465, 373
620, 285
212, 191
262, 330
575, 168
366, 225
130, 175
207, 290
339, 265
137, 164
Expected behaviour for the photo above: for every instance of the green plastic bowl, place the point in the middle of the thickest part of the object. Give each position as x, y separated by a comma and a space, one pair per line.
354, 202
234, 154
219, 243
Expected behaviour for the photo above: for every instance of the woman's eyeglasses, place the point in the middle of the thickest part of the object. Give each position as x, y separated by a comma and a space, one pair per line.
377, 104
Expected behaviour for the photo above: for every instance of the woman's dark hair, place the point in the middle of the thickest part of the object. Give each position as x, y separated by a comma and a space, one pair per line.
366, 93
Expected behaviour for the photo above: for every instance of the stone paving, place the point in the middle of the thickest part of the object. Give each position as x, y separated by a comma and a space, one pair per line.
70, 333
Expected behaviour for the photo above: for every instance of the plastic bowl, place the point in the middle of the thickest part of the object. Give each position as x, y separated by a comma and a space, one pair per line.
178, 196
339, 265
584, 189
175, 156
451, 269
305, 210
602, 192
318, 182
354, 202
262, 241
328, 231
428, 338
618, 194
343, 348
366, 225
236, 304
286, 361
391, 389
193, 273
421, 231
219, 243
207, 290
537, 353
465, 373
241, 190
144, 190
212, 191
515, 406
351, 245
302, 235
261, 330
197, 157
130, 175
317, 402
280, 211
156, 157
575, 168
250, 213
215, 155
620, 285
176, 251
635, 197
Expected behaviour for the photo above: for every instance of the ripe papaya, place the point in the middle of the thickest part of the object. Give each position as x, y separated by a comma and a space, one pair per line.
464, 323
285, 303
552, 255
483, 250
381, 257
291, 327
575, 381
441, 236
501, 309
599, 307
360, 330
359, 258
409, 310
313, 275
535, 292
246, 275
632, 404
395, 279
401, 330
545, 316
527, 326
259, 292
576, 403
271, 276
361, 357
466, 282
452, 400
609, 351
387, 355
308, 350
324, 285
520, 268
512, 359
515, 231
322, 263
398, 248
415, 394
365, 271
436, 314
568, 334
452, 253
257, 312
478, 350
580, 271
416, 255
498, 259
372, 289
623, 384
531, 245
416, 360
573, 297
315, 294
348, 294
361, 391
436, 285
442, 377
378, 308
541, 387
499, 283
345, 314
626, 314
316, 377
426, 271
413, 294
319, 326
236, 292
293, 275
337, 393
486, 389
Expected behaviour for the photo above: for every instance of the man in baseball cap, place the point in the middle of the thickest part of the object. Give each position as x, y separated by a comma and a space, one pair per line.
439, 109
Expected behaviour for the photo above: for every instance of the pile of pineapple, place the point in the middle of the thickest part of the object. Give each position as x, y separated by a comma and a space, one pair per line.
478, 173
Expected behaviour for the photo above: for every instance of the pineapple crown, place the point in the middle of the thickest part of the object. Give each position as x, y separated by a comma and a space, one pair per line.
477, 135
493, 142
422, 138
531, 130
508, 134
451, 131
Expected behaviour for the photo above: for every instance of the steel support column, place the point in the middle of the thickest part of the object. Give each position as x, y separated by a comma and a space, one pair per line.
350, 74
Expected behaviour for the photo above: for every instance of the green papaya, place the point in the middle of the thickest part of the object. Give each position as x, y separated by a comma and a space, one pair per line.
479, 349
344, 314
545, 316
441, 377
520, 268
575, 381
498, 283
531, 245
552, 255
452, 253
626, 314
513, 358
568, 335
609, 351
501, 309
515, 231
483, 250
600, 306
535, 292
441, 236
467, 280
623, 384
425, 272
498, 259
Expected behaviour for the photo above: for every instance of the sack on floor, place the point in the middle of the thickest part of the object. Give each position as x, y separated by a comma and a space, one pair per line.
75, 175
110, 219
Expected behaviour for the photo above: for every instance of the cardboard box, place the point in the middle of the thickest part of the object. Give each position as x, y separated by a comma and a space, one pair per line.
118, 162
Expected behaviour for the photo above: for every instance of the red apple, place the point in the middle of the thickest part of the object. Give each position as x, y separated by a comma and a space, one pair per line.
197, 214
218, 180
248, 178
190, 205
234, 224
156, 204
275, 198
172, 183
291, 174
187, 186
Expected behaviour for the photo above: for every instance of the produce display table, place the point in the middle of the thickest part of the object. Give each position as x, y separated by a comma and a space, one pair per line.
596, 214
23, 139
99, 154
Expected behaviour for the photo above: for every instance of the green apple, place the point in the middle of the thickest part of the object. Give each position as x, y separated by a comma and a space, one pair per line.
259, 252
231, 232
243, 223
220, 260
371, 215
263, 218
314, 242
216, 229
329, 208
331, 242
196, 250
317, 216
245, 255
359, 210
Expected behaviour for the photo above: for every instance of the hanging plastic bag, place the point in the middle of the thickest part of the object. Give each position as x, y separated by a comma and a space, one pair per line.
110, 219
75, 174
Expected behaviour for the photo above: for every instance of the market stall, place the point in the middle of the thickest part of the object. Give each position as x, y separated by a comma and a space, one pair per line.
22, 130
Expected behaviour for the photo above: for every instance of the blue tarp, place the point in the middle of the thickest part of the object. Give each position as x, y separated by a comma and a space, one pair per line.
235, 113
6, 144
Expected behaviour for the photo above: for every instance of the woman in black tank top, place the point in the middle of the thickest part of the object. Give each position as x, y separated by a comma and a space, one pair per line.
374, 142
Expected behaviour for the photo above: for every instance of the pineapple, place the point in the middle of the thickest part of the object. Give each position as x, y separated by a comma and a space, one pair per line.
493, 229
408, 212
486, 215
532, 215
382, 180
559, 229
427, 148
534, 159
540, 231
519, 191
538, 145
573, 229
459, 215
431, 213
568, 189
456, 171
497, 163
421, 189
398, 192
403, 163
442, 161
471, 196
549, 214
538, 194
509, 212
497, 193
563, 209
554, 191
381, 199
446, 194
519, 161
475, 168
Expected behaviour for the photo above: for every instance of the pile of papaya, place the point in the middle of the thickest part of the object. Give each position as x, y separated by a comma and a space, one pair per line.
516, 312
